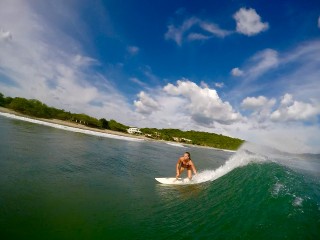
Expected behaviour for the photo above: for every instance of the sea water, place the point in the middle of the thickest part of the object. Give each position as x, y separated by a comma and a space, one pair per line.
57, 184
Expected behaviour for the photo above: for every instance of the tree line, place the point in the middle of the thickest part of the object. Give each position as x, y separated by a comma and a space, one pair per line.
197, 138
35, 108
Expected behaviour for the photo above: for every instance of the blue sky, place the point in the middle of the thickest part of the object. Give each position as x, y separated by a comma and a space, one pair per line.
247, 69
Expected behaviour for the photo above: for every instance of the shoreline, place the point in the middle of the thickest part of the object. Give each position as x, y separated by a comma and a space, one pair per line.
76, 127
67, 125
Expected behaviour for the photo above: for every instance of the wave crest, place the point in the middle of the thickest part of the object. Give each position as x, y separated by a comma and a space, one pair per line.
242, 157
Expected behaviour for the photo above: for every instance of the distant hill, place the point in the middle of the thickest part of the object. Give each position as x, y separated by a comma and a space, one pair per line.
195, 137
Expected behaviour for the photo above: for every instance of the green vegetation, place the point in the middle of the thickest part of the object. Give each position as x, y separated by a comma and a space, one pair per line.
114, 125
35, 108
4, 101
197, 138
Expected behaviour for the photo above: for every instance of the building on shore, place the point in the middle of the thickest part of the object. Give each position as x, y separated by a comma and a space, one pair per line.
134, 130
186, 140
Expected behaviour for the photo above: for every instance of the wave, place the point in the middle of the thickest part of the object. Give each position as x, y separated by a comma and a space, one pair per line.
176, 144
71, 129
241, 158
252, 153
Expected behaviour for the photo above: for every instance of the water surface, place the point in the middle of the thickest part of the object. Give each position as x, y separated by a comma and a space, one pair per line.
56, 184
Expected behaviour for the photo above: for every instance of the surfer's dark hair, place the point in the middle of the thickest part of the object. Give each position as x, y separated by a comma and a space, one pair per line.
188, 155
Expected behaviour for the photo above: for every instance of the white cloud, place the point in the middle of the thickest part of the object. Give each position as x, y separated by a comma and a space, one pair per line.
291, 110
5, 35
219, 84
261, 108
319, 22
253, 103
205, 106
201, 30
249, 22
158, 109
214, 29
148, 73
282, 127
203, 84
253, 73
265, 60
137, 81
287, 99
145, 104
176, 33
186, 106
197, 36
84, 61
236, 72
133, 50
288, 110
258, 64
262, 62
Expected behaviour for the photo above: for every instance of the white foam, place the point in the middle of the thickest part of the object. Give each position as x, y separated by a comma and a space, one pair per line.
226, 150
297, 202
72, 129
175, 144
277, 189
241, 158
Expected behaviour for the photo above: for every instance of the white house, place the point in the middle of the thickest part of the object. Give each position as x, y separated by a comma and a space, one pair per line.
134, 130
186, 140
182, 140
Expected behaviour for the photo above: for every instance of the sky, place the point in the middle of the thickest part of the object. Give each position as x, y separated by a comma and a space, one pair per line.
245, 69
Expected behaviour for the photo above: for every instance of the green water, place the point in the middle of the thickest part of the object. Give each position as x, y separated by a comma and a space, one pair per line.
56, 184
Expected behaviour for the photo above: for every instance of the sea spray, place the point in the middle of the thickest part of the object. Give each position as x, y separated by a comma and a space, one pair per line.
303, 163
242, 157
250, 152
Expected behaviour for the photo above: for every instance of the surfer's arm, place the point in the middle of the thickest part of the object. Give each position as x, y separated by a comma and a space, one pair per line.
193, 168
177, 168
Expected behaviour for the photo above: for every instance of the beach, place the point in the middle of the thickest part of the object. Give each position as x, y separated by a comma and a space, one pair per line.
72, 126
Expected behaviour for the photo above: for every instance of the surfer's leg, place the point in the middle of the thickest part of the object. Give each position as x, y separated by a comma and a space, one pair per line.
180, 171
189, 173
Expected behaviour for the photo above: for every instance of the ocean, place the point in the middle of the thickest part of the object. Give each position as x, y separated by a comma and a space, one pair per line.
58, 184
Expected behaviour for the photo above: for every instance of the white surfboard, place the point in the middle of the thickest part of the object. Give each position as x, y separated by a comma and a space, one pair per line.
174, 181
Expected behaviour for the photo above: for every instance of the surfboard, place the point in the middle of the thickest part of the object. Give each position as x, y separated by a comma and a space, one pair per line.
174, 181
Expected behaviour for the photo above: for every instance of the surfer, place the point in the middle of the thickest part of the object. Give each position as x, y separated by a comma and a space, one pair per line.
183, 163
